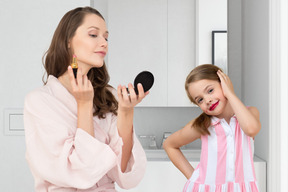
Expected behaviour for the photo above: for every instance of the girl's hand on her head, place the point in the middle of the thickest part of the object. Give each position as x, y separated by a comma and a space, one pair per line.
127, 101
82, 88
226, 84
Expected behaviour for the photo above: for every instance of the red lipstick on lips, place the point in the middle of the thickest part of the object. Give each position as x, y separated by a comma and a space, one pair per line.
213, 106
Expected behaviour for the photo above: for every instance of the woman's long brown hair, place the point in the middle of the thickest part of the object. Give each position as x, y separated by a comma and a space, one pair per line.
206, 71
58, 57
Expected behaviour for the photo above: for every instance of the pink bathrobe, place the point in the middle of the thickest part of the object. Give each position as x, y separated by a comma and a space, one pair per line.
63, 157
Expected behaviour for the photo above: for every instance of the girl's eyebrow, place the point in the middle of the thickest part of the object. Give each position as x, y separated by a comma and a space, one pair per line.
106, 32
207, 87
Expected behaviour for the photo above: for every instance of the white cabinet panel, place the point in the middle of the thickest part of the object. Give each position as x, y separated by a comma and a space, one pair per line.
153, 35
181, 49
138, 42
160, 176
164, 176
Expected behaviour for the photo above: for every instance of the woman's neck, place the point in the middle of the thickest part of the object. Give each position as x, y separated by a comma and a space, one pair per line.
84, 67
65, 81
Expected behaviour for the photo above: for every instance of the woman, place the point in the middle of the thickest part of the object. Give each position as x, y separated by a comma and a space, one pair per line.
78, 136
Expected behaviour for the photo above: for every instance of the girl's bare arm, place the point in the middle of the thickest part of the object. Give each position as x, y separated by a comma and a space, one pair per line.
248, 118
172, 146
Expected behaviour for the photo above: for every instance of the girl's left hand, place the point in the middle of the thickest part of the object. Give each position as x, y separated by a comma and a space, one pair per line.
127, 102
226, 84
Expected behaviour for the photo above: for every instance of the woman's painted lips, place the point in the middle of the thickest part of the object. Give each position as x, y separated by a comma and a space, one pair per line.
101, 53
213, 106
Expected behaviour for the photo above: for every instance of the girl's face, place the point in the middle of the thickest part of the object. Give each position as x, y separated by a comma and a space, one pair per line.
89, 43
208, 95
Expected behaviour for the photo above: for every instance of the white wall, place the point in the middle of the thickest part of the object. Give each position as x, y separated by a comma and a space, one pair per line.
252, 20
278, 94
212, 16
248, 45
255, 63
284, 94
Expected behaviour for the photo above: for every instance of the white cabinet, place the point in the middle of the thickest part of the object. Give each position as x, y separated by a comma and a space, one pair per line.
137, 42
181, 51
153, 35
162, 175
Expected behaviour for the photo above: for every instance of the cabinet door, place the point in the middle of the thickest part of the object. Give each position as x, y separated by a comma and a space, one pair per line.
181, 49
138, 42
164, 176
153, 35
160, 176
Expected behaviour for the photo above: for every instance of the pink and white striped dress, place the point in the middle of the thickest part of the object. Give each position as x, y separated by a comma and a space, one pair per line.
226, 162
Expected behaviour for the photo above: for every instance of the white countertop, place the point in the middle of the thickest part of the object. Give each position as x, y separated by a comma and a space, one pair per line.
190, 154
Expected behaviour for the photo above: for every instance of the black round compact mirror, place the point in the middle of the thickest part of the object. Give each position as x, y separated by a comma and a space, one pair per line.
146, 78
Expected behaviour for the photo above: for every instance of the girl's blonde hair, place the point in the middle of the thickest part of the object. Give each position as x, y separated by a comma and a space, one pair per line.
205, 71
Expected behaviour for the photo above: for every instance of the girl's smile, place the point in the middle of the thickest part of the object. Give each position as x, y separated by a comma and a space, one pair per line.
213, 106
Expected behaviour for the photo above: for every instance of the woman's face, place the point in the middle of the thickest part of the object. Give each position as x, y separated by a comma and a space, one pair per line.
208, 95
89, 43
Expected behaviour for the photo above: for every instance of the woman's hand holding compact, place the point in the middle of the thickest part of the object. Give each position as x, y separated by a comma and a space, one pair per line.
128, 99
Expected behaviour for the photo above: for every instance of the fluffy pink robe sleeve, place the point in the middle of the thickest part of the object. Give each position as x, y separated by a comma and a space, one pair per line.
63, 157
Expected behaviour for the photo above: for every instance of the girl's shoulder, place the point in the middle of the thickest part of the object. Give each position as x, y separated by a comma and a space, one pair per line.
184, 136
189, 129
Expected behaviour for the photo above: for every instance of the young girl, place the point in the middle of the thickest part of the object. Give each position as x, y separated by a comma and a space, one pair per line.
226, 128
78, 136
